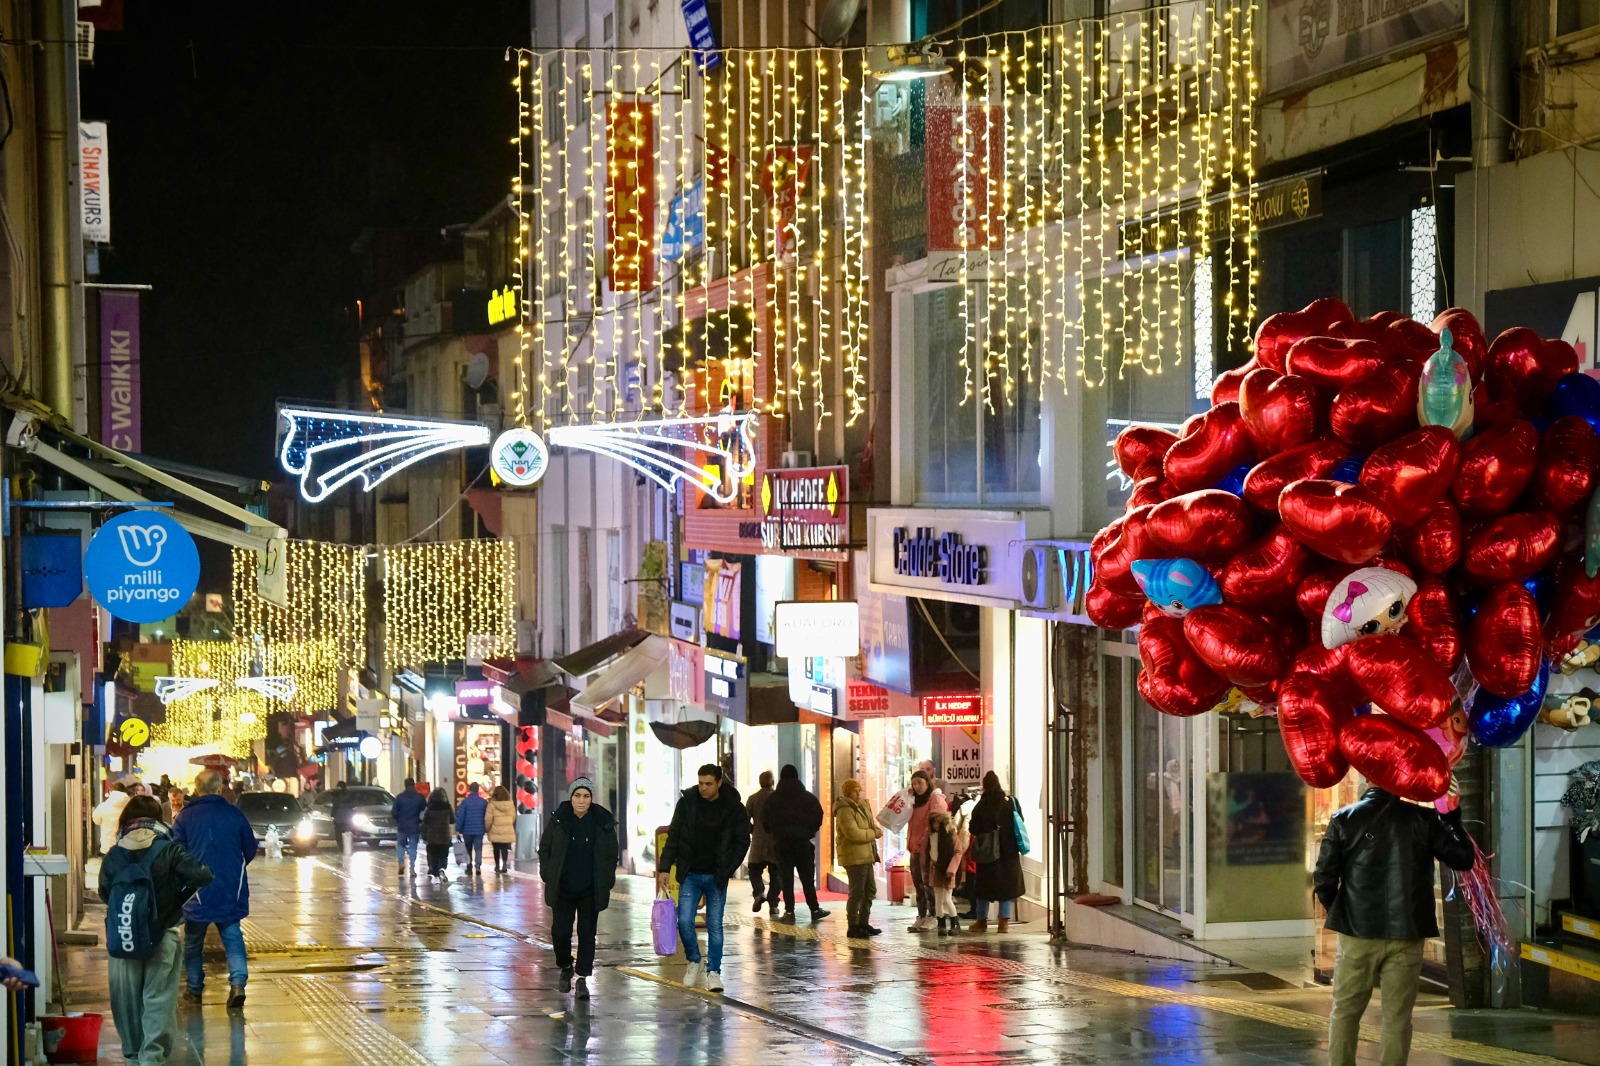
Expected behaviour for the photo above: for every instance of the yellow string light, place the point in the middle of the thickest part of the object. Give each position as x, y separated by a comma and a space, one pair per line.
436, 596
327, 595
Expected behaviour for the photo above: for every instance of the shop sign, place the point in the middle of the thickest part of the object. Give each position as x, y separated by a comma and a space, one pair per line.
685, 621
470, 693
962, 766
970, 557
631, 195
686, 673
141, 566
1279, 203
805, 509
829, 628
775, 576
923, 553
939, 712
863, 699
965, 146
726, 682
783, 181
807, 672
120, 408
702, 35
94, 183
1313, 40
686, 223
885, 634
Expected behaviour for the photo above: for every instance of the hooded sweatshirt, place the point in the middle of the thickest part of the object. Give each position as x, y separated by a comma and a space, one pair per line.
177, 874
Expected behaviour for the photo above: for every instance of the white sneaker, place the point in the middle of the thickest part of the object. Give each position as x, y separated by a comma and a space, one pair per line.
713, 982
694, 976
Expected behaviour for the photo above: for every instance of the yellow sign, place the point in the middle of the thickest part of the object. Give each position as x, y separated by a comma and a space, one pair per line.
135, 732
502, 305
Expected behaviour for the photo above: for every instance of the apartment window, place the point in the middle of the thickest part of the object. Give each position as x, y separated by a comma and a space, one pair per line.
581, 82
1425, 262
610, 27
555, 70
1575, 15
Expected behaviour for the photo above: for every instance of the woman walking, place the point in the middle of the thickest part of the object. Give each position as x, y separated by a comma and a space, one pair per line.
855, 842
999, 860
437, 822
500, 823
578, 857
925, 801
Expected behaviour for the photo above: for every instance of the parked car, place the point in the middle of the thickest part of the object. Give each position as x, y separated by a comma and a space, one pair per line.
370, 820
264, 810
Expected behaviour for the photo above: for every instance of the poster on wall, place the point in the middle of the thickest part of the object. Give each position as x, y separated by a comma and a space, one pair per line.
719, 613
1312, 40
774, 584
885, 634
963, 757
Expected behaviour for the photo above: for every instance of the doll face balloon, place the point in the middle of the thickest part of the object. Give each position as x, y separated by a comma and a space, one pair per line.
1370, 602
1176, 586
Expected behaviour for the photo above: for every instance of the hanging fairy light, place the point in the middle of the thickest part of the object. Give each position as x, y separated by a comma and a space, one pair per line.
327, 595
438, 597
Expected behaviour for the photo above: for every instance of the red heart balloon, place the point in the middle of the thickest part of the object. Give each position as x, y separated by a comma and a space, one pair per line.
1226, 386
1151, 490
1487, 413
1576, 608
1513, 547
1523, 368
1266, 480
1204, 456
1332, 518
1408, 475
1376, 409
1409, 339
1328, 666
1279, 412
1174, 680
1333, 364
1131, 543
1108, 610
1310, 715
1394, 673
1139, 444
1395, 757
1268, 571
1565, 477
1434, 621
1466, 338
1432, 544
1496, 466
1504, 645
1241, 647
1314, 590
1207, 526
1278, 333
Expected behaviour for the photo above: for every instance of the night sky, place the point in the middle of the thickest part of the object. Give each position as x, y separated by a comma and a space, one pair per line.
250, 144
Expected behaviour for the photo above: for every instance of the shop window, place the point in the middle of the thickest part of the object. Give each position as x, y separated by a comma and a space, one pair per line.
1375, 274
1112, 669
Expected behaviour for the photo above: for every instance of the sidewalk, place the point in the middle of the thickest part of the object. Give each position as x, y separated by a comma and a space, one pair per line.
352, 964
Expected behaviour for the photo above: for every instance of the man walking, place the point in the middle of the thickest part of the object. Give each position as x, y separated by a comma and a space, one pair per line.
407, 811
761, 851
793, 816
578, 857
707, 840
1375, 877
470, 824
218, 834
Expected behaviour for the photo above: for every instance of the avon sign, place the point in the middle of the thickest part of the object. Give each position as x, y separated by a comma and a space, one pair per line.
921, 554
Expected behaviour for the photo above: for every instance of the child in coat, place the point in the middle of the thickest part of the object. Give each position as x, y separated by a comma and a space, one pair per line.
944, 863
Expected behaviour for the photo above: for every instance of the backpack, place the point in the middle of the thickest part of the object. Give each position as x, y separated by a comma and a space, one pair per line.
133, 919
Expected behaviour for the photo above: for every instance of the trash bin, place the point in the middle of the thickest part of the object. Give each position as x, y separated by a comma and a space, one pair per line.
71, 1037
899, 883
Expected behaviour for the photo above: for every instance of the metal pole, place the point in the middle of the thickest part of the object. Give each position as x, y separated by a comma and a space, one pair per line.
1491, 43
56, 62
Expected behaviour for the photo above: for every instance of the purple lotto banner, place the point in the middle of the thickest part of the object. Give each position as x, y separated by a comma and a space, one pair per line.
119, 370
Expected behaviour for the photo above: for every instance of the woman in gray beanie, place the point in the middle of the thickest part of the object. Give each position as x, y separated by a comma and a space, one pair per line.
578, 857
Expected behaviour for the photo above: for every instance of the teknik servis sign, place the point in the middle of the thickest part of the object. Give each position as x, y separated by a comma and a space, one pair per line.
141, 566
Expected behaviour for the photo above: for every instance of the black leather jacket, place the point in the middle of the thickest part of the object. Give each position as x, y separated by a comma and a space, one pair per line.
1375, 872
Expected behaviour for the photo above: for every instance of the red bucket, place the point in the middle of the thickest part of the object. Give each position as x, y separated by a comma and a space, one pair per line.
70, 1037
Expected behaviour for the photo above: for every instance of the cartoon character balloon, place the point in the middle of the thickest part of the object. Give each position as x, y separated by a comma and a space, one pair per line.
1176, 586
1444, 390
1370, 602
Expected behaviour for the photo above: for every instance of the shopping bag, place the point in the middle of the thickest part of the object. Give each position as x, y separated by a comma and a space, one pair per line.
460, 852
664, 926
894, 815
1024, 845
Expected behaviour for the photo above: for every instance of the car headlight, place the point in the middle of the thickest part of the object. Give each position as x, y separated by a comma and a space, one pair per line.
362, 822
305, 830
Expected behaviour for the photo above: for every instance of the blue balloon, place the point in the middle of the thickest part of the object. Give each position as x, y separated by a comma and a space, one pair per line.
1349, 470
1540, 586
1470, 602
1576, 394
1496, 722
1234, 482
1176, 586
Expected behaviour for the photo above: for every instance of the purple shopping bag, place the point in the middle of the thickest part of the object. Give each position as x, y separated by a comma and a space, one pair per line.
664, 926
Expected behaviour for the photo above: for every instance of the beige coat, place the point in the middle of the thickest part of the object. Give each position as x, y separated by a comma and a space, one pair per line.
854, 833
500, 822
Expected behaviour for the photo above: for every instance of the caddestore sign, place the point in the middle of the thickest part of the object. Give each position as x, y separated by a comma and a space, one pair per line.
965, 556
805, 510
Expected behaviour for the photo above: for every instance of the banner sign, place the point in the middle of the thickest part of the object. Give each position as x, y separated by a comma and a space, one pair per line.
120, 426
940, 712
94, 185
686, 223
964, 213
962, 766
702, 35
783, 180
1312, 40
631, 195
142, 566
805, 509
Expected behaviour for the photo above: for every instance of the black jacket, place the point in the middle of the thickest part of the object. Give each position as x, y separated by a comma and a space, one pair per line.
1002, 879
176, 873
607, 851
731, 844
437, 818
792, 813
1375, 872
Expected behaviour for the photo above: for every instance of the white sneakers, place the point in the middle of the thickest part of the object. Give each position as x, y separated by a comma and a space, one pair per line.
694, 976
713, 982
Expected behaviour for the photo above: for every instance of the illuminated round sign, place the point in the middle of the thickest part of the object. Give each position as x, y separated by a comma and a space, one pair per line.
134, 732
370, 747
519, 457
141, 566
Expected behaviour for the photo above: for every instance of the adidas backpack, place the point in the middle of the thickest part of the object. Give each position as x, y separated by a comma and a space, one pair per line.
133, 922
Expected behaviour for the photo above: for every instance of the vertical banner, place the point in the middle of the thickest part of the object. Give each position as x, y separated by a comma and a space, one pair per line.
94, 187
119, 371
784, 181
630, 195
964, 212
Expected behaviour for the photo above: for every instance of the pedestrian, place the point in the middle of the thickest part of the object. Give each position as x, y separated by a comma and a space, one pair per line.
173, 805
144, 991
578, 856
708, 839
939, 784
1375, 877
108, 815
793, 816
407, 813
470, 814
163, 787
944, 857
219, 835
500, 827
437, 833
855, 844
998, 858
762, 853
926, 801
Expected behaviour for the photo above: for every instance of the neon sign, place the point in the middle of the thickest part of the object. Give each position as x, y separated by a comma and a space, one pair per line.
371, 447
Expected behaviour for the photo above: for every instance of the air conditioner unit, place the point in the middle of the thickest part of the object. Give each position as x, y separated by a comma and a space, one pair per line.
1041, 576
796, 460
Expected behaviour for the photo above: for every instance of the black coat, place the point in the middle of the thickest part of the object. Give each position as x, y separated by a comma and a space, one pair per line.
1375, 872
731, 844
792, 813
176, 873
607, 852
1002, 879
437, 818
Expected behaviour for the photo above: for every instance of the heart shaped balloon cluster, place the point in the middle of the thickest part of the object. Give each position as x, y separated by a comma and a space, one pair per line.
1374, 519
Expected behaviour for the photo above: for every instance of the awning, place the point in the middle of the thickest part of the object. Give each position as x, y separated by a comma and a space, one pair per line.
645, 662
590, 656
770, 704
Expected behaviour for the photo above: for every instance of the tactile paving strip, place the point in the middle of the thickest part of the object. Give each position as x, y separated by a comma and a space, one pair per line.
367, 1042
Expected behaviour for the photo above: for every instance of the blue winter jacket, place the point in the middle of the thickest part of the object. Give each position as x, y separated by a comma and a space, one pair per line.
469, 815
218, 834
407, 811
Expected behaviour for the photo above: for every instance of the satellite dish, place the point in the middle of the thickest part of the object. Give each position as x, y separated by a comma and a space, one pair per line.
837, 18
477, 370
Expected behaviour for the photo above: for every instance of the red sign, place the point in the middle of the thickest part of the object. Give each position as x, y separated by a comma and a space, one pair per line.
966, 178
631, 196
784, 182
805, 509
941, 711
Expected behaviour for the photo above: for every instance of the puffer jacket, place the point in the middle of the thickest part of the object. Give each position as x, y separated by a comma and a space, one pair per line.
500, 822
792, 813
218, 834
177, 874
917, 828
1375, 870
854, 832
469, 815
607, 851
437, 818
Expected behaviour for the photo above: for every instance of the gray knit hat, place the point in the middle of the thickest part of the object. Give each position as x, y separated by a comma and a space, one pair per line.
583, 783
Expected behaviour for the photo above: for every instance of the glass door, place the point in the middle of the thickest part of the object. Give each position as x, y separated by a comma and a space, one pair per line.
1163, 809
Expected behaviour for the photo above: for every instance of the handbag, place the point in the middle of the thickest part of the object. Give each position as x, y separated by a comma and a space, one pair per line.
1024, 845
459, 848
986, 846
664, 926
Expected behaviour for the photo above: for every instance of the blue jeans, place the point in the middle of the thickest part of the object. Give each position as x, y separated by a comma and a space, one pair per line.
474, 843
980, 907
194, 940
405, 846
691, 890
143, 995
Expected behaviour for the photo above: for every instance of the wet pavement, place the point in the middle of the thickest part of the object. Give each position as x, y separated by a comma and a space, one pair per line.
352, 964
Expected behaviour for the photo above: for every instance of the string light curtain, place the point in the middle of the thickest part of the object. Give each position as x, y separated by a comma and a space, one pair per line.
1109, 156
232, 717
327, 599
437, 596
